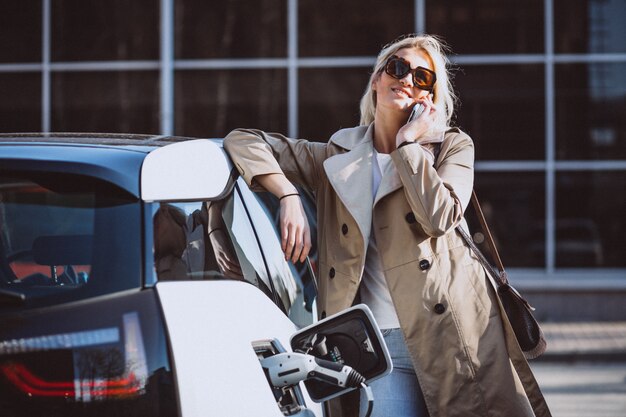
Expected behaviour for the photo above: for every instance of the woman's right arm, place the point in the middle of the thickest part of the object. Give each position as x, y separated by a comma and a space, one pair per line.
257, 153
274, 163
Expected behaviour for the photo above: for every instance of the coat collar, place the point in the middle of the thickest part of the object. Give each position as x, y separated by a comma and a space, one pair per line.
352, 137
350, 174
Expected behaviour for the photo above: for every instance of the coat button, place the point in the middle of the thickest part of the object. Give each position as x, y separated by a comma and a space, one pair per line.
439, 308
424, 264
331, 273
323, 316
410, 217
344, 229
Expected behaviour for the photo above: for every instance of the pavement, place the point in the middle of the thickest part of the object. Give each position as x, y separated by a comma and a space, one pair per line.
585, 341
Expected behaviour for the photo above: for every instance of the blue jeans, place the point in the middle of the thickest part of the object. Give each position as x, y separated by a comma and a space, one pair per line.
397, 394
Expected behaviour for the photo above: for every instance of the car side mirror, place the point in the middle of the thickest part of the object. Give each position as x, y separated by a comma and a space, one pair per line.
351, 338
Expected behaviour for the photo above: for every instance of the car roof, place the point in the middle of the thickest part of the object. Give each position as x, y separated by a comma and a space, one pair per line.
118, 140
120, 158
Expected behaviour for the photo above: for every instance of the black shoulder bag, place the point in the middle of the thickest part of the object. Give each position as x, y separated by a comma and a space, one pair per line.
527, 331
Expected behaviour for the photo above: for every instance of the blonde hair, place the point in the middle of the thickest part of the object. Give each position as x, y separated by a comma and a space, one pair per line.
443, 94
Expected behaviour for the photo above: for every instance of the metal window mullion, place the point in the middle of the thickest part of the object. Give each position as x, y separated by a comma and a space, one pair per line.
602, 165
610, 57
100, 66
420, 16
236, 63
45, 67
500, 59
550, 145
167, 67
292, 68
572, 165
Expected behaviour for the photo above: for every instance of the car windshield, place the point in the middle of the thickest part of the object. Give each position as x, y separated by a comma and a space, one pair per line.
65, 237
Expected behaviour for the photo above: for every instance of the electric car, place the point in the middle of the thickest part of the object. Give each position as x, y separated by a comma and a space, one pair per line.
140, 276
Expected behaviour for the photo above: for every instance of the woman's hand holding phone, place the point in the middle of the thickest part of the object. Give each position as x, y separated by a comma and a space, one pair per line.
420, 121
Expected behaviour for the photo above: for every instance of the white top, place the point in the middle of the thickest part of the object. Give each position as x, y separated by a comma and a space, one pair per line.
374, 291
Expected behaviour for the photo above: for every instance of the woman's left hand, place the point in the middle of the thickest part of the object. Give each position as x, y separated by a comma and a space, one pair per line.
412, 131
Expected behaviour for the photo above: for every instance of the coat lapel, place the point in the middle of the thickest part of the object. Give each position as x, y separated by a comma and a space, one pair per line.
350, 175
389, 182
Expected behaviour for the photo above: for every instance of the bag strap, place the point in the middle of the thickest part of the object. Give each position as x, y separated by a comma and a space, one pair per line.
498, 274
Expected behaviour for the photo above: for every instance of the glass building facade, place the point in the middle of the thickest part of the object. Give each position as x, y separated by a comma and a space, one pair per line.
542, 86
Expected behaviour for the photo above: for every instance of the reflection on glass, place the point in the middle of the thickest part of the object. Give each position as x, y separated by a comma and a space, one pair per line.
590, 109
514, 207
91, 30
230, 29
114, 102
502, 108
282, 278
216, 240
210, 240
301, 312
591, 219
487, 26
590, 26
212, 103
58, 234
20, 102
21, 31
329, 100
351, 27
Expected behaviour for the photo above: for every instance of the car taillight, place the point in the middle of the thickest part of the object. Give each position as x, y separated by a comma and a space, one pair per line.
34, 385
101, 368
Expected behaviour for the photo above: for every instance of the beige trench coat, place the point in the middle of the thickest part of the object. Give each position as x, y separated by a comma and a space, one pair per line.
465, 356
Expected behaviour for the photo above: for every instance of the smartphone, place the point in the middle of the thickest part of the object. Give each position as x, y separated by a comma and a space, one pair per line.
417, 110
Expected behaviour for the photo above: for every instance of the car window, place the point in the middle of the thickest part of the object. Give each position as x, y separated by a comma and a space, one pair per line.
208, 240
294, 282
65, 237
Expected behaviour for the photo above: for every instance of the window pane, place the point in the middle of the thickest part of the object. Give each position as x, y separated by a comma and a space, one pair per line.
502, 108
211, 240
590, 109
595, 26
286, 282
89, 30
302, 307
514, 207
488, 26
115, 102
230, 29
20, 102
58, 235
351, 27
21, 31
329, 100
590, 230
212, 103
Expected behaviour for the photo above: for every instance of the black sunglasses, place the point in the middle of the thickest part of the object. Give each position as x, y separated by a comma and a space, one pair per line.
398, 68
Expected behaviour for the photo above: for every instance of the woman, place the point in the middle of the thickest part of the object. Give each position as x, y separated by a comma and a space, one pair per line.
389, 195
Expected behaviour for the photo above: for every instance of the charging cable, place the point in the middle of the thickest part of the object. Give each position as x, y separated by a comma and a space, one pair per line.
367, 390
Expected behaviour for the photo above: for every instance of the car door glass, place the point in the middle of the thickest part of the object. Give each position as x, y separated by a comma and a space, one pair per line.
293, 283
207, 240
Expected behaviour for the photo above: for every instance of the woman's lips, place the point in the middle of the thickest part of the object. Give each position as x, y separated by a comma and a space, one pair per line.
401, 92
